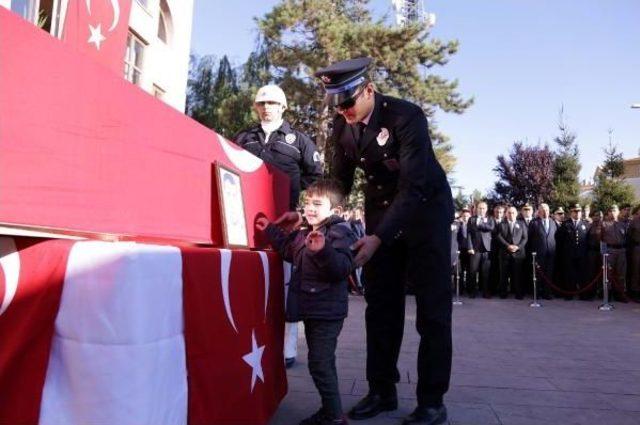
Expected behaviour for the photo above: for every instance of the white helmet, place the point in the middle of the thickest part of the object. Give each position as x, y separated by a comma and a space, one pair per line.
271, 93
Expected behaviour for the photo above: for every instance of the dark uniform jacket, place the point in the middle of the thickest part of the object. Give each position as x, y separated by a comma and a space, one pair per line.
573, 238
480, 234
318, 286
541, 241
518, 237
406, 188
289, 150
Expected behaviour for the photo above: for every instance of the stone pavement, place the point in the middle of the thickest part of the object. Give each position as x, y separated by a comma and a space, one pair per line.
565, 363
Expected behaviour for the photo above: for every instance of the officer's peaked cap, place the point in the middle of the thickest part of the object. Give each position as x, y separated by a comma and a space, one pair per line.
271, 93
343, 79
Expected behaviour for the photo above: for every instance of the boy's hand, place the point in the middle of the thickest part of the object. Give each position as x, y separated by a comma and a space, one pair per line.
262, 223
289, 220
314, 241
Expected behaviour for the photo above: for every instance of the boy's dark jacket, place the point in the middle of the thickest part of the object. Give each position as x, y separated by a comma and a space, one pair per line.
318, 286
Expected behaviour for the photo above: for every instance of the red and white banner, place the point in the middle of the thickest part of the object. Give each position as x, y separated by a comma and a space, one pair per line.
129, 333
98, 28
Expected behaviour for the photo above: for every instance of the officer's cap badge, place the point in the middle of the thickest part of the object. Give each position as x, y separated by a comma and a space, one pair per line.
290, 138
383, 136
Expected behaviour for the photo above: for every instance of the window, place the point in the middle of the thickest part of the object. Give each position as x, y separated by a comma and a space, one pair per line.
165, 24
158, 92
133, 59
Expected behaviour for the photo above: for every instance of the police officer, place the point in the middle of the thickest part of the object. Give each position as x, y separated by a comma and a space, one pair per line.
633, 236
594, 252
573, 251
291, 151
277, 143
408, 209
614, 234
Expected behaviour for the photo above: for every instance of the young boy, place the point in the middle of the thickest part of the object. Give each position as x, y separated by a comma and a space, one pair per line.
322, 262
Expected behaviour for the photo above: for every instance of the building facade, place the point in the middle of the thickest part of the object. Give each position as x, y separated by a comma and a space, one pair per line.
158, 42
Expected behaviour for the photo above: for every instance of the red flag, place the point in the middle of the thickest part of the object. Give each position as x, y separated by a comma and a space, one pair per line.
233, 324
31, 277
99, 29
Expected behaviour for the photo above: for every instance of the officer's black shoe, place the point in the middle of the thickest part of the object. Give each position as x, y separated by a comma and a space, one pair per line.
289, 362
427, 416
372, 405
546, 297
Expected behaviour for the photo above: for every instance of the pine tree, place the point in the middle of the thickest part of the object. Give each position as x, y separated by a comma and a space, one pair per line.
610, 187
566, 167
304, 35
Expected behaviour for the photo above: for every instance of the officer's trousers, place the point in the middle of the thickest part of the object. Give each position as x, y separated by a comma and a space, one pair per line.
617, 262
426, 265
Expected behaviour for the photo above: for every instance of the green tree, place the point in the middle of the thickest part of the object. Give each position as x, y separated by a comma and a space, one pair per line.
302, 36
610, 187
566, 167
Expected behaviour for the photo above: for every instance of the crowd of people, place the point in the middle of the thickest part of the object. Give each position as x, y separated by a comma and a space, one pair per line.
493, 253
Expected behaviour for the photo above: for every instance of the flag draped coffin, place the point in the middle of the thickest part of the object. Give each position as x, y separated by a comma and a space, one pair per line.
130, 333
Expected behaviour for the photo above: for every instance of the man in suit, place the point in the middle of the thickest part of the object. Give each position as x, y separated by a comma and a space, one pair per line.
542, 241
408, 209
463, 243
479, 248
512, 238
526, 215
572, 238
633, 241
494, 273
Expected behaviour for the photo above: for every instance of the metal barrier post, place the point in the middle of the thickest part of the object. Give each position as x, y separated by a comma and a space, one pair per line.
535, 302
605, 306
457, 301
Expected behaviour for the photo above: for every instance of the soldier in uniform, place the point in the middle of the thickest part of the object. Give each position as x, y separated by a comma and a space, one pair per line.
594, 253
408, 209
614, 235
279, 144
542, 241
512, 239
573, 241
633, 236
291, 151
481, 229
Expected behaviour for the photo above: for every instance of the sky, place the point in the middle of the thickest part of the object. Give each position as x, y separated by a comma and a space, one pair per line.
520, 60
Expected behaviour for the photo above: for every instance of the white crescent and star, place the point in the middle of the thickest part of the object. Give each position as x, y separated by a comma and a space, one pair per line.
10, 264
96, 36
254, 359
243, 160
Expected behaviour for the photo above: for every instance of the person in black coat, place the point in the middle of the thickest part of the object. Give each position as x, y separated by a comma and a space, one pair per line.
512, 238
463, 244
572, 238
322, 261
481, 229
408, 209
494, 272
542, 241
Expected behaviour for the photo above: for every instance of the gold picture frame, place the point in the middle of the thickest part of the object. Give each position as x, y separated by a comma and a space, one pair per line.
231, 202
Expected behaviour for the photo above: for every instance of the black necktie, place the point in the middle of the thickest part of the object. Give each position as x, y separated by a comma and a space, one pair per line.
358, 132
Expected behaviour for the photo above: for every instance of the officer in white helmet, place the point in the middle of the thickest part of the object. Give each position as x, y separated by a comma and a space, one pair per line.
277, 143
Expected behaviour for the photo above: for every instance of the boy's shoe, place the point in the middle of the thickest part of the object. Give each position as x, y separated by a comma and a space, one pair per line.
321, 418
289, 362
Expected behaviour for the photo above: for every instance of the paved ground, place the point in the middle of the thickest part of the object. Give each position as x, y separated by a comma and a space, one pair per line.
565, 363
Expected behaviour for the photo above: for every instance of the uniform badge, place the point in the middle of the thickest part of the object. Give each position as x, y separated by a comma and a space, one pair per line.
290, 138
383, 136
316, 156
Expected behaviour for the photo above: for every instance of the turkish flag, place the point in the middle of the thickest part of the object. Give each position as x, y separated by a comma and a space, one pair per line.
231, 326
99, 29
31, 277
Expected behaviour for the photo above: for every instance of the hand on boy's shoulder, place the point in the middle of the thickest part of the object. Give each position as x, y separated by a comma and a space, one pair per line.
314, 241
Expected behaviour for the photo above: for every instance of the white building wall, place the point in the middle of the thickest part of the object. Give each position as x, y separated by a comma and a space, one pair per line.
165, 65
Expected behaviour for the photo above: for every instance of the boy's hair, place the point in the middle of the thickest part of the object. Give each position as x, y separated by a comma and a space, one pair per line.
327, 188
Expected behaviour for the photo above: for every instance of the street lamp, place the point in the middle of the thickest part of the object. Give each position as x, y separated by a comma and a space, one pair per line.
635, 106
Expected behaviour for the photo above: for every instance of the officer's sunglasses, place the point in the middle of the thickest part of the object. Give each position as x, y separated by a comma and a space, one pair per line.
350, 103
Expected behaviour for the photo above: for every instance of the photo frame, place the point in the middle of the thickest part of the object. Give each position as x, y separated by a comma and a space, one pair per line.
231, 202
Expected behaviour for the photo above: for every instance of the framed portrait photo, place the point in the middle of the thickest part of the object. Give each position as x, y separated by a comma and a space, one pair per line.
234, 224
